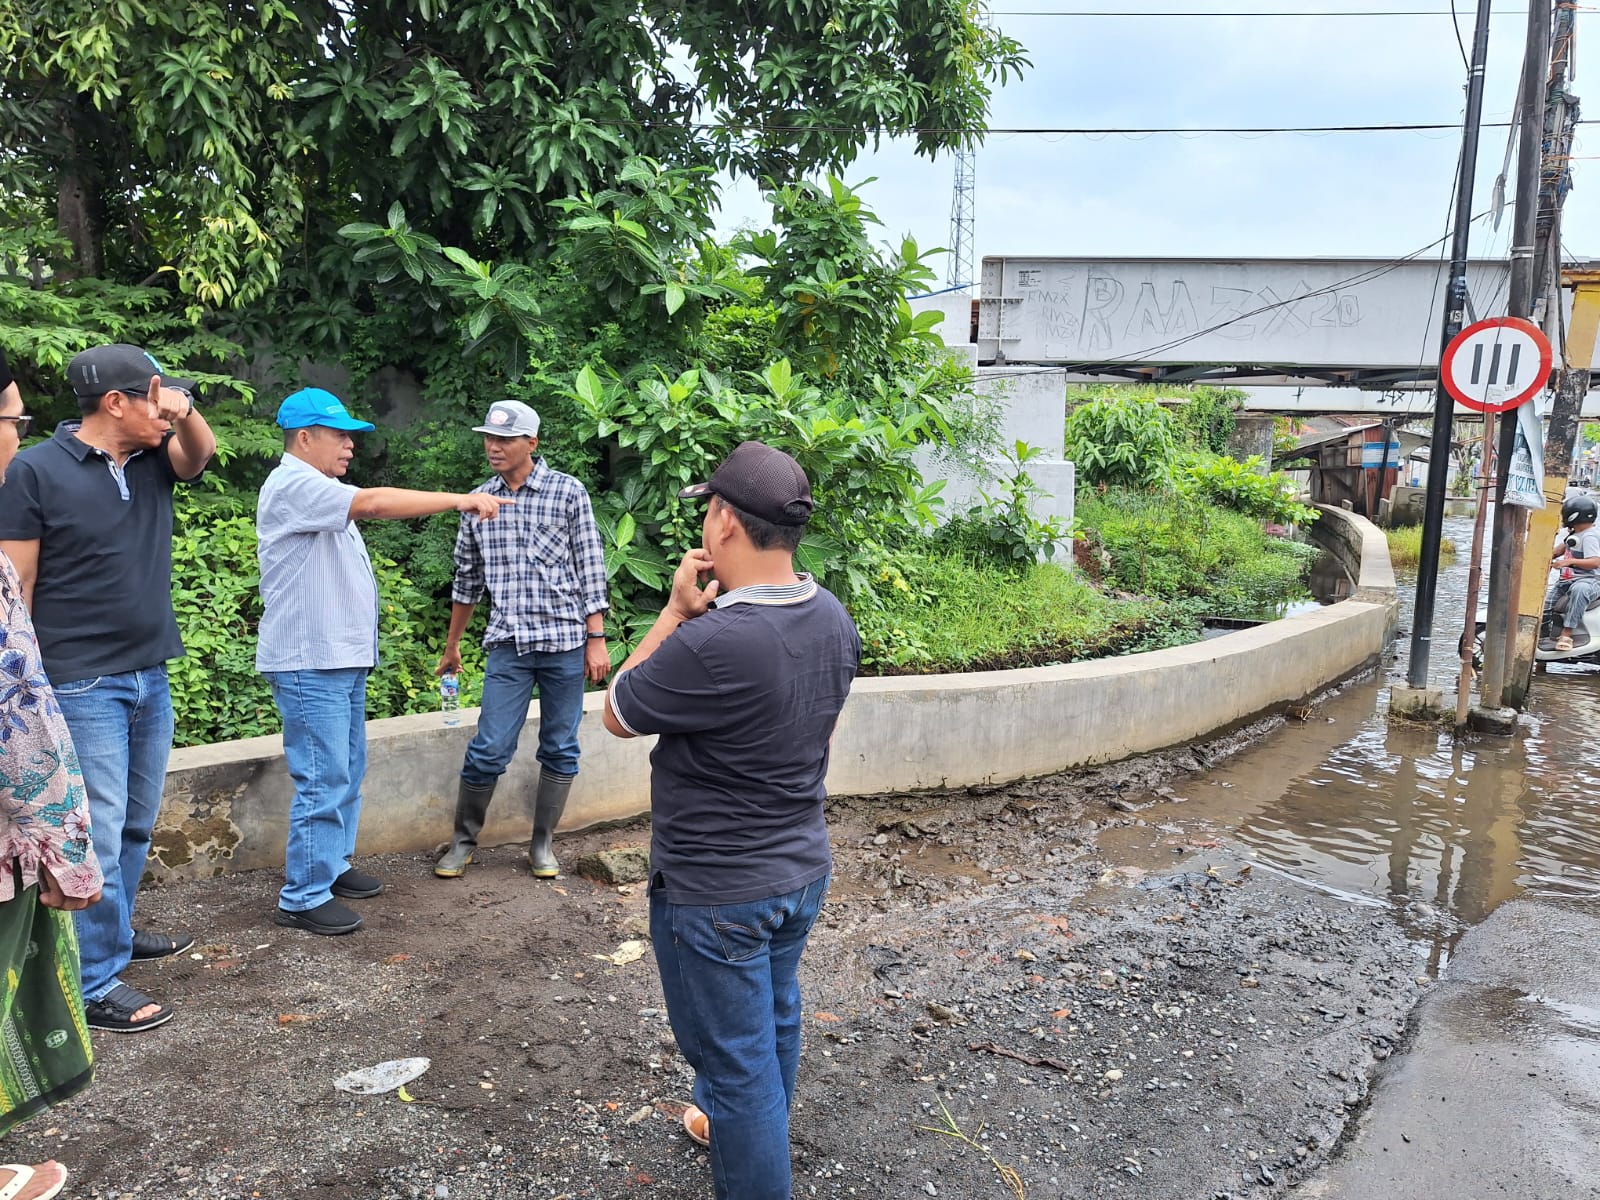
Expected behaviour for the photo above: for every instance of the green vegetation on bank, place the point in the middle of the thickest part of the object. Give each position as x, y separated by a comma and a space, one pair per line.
427, 221
1405, 547
945, 612
1168, 516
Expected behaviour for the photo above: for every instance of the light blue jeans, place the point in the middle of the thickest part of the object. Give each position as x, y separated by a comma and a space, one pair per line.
325, 745
508, 683
730, 976
121, 726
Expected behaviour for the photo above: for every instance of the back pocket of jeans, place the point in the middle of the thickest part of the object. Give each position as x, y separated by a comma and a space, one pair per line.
743, 930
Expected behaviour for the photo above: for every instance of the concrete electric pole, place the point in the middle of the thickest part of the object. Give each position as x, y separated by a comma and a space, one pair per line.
1510, 520
1572, 375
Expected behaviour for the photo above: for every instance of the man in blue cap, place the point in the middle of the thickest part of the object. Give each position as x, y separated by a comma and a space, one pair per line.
319, 639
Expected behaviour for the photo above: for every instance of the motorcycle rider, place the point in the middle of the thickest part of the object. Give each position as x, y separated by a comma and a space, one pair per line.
1579, 559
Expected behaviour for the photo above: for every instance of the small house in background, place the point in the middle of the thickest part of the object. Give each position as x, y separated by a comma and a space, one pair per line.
1352, 462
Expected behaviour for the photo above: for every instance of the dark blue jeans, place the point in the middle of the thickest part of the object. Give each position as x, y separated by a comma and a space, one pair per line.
729, 973
121, 726
508, 683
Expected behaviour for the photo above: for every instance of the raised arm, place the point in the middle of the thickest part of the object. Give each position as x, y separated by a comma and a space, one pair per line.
398, 504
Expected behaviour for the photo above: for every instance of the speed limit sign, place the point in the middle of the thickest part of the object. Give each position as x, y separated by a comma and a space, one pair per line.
1496, 364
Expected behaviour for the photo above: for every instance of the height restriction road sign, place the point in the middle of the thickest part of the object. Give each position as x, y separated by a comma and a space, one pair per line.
1496, 364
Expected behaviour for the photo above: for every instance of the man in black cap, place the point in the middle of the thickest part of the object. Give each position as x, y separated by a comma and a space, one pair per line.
87, 522
743, 678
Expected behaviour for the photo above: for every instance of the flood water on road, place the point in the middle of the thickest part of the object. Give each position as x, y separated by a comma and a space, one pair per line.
1404, 815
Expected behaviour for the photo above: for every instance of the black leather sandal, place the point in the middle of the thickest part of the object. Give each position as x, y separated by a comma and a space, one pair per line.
114, 1011
147, 945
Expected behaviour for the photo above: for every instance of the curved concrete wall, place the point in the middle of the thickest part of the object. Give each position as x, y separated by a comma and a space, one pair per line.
227, 805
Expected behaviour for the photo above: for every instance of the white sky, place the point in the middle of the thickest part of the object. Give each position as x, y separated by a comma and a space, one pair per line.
1357, 194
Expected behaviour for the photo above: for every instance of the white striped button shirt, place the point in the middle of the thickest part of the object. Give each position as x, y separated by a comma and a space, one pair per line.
318, 592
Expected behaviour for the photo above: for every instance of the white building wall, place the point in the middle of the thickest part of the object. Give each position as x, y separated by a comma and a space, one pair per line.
1032, 402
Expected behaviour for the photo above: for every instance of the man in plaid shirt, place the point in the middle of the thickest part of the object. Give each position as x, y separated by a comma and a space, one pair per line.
544, 568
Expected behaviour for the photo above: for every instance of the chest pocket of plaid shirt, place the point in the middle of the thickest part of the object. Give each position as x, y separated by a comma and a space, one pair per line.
550, 549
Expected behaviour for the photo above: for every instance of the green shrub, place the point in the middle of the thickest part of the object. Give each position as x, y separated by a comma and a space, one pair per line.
1405, 547
1173, 546
1229, 483
1003, 528
940, 611
1122, 441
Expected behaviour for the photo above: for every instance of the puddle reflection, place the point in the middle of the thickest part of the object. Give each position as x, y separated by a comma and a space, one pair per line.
1445, 831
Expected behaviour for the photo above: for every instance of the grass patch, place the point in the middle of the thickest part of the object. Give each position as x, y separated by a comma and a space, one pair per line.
945, 612
1174, 547
1405, 547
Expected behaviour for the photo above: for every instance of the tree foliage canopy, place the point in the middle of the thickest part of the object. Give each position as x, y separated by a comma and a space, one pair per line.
226, 142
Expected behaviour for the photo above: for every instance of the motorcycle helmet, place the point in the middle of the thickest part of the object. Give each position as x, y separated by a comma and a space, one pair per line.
1579, 510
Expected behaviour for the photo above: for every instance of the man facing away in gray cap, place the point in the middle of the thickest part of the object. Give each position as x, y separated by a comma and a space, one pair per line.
544, 568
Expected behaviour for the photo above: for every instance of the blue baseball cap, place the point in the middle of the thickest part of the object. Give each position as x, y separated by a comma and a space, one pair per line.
313, 406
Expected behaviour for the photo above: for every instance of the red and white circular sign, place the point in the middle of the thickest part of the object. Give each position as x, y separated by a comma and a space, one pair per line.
1495, 365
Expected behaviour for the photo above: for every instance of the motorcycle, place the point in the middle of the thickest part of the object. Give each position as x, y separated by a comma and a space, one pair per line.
1585, 638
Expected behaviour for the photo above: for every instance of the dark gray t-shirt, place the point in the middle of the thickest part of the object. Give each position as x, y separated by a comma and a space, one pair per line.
745, 699
102, 597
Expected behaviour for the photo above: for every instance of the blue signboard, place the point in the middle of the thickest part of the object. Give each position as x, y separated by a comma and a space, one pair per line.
1372, 455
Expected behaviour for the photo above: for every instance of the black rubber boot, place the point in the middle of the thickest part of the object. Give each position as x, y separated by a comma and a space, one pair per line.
548, 806
472, 805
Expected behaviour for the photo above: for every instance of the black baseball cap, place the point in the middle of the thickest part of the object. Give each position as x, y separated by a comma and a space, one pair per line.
118, 368
761, 481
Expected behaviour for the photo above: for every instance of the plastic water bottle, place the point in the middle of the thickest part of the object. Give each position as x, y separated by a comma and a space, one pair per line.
450, 697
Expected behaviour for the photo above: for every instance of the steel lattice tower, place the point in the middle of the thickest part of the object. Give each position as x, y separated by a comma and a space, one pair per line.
963, 219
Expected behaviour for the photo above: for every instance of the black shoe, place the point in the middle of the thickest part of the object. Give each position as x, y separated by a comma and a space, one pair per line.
147, 945
329, 918
114, 1011
357, 885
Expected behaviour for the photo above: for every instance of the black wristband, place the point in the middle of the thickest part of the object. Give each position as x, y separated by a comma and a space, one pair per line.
591, 635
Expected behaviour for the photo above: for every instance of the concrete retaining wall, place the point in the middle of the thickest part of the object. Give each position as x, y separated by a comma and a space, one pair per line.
227, 805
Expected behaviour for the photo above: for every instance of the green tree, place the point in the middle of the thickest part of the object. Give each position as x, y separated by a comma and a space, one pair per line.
226, 143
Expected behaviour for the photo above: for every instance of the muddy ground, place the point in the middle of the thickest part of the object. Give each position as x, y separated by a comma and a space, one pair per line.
993, 1009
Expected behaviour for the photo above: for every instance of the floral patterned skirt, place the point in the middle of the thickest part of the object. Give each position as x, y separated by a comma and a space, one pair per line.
45, 1055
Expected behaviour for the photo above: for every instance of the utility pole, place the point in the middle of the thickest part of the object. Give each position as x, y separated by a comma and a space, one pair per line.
1455, 312
1527, 283
1559, 116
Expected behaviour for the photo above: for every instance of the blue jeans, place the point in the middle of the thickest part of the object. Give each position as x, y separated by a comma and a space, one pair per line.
508, 685
1573, 597
729, 973
325, 744
121, 726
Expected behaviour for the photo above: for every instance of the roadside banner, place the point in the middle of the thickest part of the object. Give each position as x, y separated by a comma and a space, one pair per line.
1525, 476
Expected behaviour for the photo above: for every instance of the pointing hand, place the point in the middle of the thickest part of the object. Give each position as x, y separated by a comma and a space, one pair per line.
482, 505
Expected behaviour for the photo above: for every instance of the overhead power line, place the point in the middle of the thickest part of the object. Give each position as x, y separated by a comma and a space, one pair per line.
1274, 13
1081, 131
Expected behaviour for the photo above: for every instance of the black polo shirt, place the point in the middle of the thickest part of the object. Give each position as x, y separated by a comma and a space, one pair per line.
102, 598
745, 699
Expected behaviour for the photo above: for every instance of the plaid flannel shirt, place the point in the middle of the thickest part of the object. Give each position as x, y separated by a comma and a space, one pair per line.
541, 561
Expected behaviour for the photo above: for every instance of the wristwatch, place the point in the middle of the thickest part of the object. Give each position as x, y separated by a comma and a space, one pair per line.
592, 636
189, 396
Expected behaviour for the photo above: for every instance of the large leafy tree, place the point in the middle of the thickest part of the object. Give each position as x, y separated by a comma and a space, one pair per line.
224, 142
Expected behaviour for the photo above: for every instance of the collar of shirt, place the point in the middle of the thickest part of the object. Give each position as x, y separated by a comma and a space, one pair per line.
66, 436
797, 592
537, 478
300, 464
